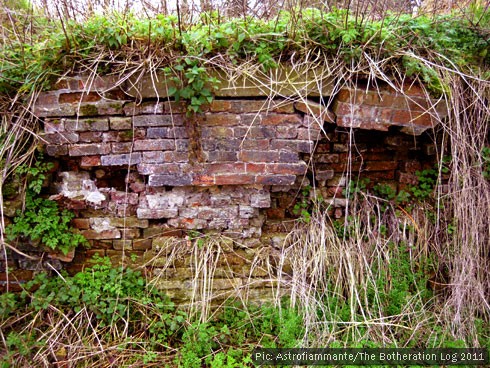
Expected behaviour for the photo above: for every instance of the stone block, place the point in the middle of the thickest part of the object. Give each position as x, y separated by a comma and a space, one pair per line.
165, 200
247, 211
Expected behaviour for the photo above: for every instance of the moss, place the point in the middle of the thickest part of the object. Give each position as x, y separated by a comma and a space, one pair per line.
88, 110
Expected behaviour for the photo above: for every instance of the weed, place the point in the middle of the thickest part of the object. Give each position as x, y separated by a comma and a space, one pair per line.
42, 220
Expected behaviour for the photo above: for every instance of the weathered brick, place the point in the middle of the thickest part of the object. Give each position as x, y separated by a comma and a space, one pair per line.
209, 213
157, 120
123, 244
89, 161
381, 165
172, 156
281, 119
253, 168
203, 180
288, 156
247, 211
60, 138
319, 111
76, 97
146, 213
154, 145
106, 234
90, 137
275, 179
120, 123
260, 200
164, 168
255, 132
188, 223
89, 149
121, 147
55, 110
259, 156
216, 132
310, 134
254, 144
80, 223
152, 157
58, 150
132, 108
324, 174
221, 156
159, 180
123, 159
234, 179
121, 197
130, 233
142, 244
54, 125
128, 222
80, 125
295, 169
220, 120
124, 135
224, 168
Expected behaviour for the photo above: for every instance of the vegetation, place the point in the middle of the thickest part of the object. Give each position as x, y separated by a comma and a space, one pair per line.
400, 269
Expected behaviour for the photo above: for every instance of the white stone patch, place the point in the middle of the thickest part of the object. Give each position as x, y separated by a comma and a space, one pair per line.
101, 224
78, 185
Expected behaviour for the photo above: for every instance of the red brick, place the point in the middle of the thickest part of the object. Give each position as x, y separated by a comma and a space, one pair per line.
89, 149
61, 138
258, 156
345, 109
295, 169
121, 147
176, 156
89, 161
81, 223
106, 234
327, 158
255, 144
76, 97
234, 179
275, 213
252, 168
275, 179
219, 120
90, 137
57, 150
279, 119
199, 179
375, 176
220, 106
154, 145
142, 244
54, 125
164, 168
130, 233
224, 168
402, 116
381, 165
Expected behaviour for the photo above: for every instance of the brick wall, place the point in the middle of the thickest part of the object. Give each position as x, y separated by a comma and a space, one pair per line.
143, 177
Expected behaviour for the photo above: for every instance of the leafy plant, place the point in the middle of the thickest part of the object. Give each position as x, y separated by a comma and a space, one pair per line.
41, 220
193, 84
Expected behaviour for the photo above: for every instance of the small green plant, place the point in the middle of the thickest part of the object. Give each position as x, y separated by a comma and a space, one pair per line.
42, 221
193, 84
486, 162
